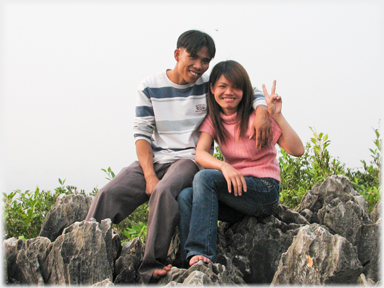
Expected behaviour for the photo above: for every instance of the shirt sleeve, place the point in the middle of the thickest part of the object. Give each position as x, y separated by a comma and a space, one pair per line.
144, 121
207, 127
259, 98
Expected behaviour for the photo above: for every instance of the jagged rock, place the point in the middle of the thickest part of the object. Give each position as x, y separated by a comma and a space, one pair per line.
80, 255
127, 265
362, 280
67, 210
29, 258
202, 274
255, 247
316, 257
105, 282
376, 212
174, 251
330, 239
368, 246
11, 248
289, 216
334, 189
345, 219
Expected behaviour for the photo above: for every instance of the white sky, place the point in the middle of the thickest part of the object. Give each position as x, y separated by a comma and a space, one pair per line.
69, 71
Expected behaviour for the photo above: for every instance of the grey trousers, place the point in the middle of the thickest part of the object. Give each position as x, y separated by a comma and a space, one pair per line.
124, 193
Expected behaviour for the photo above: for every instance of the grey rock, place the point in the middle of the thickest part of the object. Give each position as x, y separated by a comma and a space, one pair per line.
79, 255
29, 260
345, 219
341, 246
376, 212
127, 265
255, 247
67, 210
13, 273
202, 274
334, 187
316, 257
368, 246
105, 282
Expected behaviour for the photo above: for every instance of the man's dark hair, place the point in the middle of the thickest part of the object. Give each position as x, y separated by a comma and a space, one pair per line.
194, 40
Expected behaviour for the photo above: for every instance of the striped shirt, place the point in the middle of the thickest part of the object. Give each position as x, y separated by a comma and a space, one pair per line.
168, 114
242, 154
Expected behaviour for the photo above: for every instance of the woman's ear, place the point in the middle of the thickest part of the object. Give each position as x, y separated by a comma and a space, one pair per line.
211, 87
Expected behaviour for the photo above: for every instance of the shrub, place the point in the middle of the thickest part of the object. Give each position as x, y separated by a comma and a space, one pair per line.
24, 212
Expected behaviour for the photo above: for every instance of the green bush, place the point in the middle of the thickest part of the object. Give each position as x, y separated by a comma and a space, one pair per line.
24, 212
300, 174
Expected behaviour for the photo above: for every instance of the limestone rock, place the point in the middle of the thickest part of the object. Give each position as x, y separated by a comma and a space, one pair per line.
330, 239
202, 274
29, 258
79, 256
127, 265
67, 210
376, 212
316, 257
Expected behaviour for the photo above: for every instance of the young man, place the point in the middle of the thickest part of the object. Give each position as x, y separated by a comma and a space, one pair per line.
170, 106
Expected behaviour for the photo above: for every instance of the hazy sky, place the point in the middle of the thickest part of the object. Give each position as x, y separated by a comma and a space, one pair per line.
70, 69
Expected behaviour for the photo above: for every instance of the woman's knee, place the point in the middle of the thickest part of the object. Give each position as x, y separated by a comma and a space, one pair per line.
205, 177
185, 195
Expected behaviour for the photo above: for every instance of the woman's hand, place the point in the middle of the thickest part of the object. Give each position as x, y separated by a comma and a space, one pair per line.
234, 179
273, 100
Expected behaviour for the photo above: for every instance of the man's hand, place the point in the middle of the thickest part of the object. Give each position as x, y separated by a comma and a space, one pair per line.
262, 127
151, 182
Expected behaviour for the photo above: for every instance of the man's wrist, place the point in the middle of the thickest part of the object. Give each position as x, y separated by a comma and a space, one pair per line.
262, 110
150, 175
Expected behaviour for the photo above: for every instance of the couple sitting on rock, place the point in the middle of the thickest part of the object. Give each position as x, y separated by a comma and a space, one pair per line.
179, 114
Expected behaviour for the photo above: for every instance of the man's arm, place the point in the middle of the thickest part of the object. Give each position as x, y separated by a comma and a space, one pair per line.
262, 125
143, 127
145, 157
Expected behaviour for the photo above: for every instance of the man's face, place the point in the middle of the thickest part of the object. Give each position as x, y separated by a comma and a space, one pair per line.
191, 67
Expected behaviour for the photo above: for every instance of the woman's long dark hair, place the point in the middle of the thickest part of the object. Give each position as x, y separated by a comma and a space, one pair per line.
236, 74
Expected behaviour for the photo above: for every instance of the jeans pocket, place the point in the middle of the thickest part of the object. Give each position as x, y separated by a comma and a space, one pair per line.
266, 210
271, 192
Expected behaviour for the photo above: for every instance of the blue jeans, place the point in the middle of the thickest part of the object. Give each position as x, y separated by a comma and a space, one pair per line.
208, 201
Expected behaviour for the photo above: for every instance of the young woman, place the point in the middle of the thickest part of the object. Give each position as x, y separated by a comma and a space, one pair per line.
248, 181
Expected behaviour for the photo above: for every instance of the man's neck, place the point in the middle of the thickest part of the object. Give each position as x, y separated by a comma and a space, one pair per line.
175, 77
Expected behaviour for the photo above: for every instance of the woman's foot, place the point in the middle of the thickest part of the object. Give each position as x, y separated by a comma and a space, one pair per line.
197, 258
158, 273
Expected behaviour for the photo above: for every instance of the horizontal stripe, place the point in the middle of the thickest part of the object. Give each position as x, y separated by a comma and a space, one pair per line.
157, 148
178, 126
171, 92
141, 135
144, 111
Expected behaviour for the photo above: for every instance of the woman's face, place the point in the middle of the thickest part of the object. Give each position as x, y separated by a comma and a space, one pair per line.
227, 95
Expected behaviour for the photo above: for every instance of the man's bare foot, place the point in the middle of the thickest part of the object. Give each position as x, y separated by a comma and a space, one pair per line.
197, 258
158, 273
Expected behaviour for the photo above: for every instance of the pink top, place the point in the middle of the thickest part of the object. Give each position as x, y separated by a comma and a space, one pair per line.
242, 153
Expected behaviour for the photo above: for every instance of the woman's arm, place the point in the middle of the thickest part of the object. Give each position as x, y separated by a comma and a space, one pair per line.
204, 158
289, 140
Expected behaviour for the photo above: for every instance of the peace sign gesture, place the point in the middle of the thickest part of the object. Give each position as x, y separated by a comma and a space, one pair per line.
273, 100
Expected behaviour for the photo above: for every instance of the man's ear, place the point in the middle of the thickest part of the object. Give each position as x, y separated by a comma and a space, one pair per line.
177, 54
